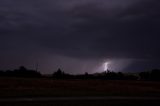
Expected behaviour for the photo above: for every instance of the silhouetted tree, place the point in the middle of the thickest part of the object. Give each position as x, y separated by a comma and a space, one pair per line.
155, 75
2, 73
22, 68
144, 75
58, 74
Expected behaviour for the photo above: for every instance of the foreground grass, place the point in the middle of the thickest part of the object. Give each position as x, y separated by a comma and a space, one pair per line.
23, 87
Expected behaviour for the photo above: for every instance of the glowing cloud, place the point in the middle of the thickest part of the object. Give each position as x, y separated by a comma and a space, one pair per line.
106, 66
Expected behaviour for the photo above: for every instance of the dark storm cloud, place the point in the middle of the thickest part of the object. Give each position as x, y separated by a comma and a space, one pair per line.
82, 29
132, 31
113, 31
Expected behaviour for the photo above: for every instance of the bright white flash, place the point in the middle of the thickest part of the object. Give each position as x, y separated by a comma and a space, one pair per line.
106, 66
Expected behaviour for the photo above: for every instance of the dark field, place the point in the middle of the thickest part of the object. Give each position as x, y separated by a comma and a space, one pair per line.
86, 103
20, 87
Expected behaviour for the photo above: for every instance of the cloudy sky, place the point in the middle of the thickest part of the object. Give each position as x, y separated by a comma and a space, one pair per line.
80, 35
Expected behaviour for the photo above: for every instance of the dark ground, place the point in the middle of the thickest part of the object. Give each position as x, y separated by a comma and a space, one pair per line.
86, 103
23, 87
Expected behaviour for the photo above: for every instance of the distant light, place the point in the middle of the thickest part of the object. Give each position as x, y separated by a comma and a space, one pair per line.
106, 66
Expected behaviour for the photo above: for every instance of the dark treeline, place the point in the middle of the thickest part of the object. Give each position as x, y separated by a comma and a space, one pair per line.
153, 75
21, 72
107, 75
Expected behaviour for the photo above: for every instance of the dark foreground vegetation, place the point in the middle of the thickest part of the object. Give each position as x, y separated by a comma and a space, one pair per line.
153, 75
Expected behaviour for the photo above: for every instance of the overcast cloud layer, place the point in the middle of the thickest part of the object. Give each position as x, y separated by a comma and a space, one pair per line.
79, 35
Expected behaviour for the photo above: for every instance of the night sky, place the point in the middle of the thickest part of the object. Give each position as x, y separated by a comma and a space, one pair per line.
80, 35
